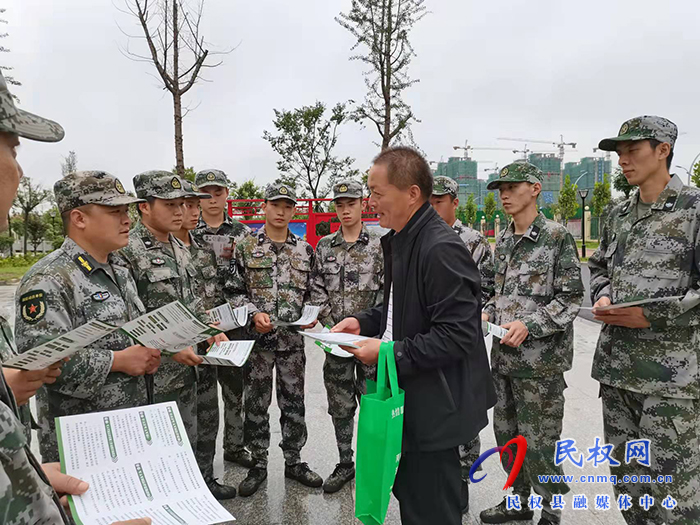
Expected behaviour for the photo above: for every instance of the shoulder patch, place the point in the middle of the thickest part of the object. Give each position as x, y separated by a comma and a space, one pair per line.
535, 232
83, 264
147, 242
33, 306
101, 296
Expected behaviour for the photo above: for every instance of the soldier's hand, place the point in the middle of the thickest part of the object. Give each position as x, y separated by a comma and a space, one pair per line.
517, 333
310, 325
631, 317
188, 357
368, 351
25, 383
136, 360
218, 338
63, 483
484, 316
227, 252
263, 325
138, 521
603, 301
349, 325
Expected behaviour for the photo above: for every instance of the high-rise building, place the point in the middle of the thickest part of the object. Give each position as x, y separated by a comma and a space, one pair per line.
463, 171
550, 165
588, 171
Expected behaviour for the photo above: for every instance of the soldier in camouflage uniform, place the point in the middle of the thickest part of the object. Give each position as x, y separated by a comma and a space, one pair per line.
78, 283
205, 285
445, 202
162, 268
647, 356
214, 220
271, 272
347, 278
538, 292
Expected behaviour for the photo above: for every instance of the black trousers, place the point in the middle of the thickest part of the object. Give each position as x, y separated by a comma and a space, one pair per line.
428, 488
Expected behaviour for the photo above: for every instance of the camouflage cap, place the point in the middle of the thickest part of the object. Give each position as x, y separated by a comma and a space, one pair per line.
90, 187
277, 191
211, 178
445, 186
193, 191
643, 128
159, 184
517, 172
350, 189
23, 123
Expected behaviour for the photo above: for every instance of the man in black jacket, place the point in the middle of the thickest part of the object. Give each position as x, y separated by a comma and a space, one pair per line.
432, 295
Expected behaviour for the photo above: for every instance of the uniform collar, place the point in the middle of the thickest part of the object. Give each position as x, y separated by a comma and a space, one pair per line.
533, 232
666, 201
203, 224
263, 237
338, 238
82, 259
194, 242
148, 240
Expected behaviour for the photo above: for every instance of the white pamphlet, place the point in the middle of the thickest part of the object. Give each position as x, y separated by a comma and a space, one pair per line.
633, 303
228, 318
493, 329
333, 349
63, 346
335, 338
139, 464
308, 315
228, 353
170, 328
218, 243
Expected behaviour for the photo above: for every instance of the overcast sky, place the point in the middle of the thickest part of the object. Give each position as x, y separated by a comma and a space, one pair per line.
487, 69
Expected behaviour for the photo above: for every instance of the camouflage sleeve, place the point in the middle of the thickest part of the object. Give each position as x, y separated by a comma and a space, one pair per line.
86, 371
598, 266
319, 295
312, 256
235, 289
379, 299
483, 257
568, 294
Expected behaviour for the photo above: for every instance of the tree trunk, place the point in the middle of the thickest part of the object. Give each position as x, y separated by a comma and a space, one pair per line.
387, 80
9, 232
179, 153
26, 220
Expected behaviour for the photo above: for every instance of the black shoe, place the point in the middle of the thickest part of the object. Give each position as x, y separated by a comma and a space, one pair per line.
242, 457
303, 474
464, 497
500, 514
252, 481
343, 473
220, 491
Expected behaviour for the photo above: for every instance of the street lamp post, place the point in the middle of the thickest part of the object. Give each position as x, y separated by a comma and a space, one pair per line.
583, 194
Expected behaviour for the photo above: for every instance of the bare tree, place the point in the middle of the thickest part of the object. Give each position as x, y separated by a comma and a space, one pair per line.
29, 196
69, 164
381, 28
171, 29
8, 78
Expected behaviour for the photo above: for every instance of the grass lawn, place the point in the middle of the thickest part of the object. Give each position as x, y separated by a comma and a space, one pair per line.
13, 272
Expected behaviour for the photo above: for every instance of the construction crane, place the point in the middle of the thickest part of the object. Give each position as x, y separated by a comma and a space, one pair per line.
466, 148
607, 153
527, 151
561, 145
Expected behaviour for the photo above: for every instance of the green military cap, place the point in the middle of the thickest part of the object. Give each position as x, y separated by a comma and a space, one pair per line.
90, 187
159, 184
445, 186
278, 190
193, 191
643, 128
517, 172
23, 123
350, 189
211, 178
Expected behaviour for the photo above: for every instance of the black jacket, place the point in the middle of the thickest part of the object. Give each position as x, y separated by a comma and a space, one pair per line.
440, 353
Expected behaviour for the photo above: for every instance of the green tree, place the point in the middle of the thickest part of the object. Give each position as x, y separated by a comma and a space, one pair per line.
305, 141
381, 29
695, 176
567, 203
29, 197
620, 183
54, 227
601, 196
6, 242
189, 174
36, 230
10, 79
246, 191
69, 164
470, 209
490, 207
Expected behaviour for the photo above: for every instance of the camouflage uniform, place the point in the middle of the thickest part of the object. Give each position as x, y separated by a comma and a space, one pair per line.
538, 282
164, 273
347, 278
649, 377
230, 377
67, 289
7, 351
25, 494
276, 282
480, 250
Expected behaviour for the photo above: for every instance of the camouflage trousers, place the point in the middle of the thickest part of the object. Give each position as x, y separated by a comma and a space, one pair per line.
231, 381
345, 383
207, 418
290, 369
186, 399
671, 426
533, 408
468, 454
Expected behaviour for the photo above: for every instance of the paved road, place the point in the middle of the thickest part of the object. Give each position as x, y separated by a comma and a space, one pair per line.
281, 501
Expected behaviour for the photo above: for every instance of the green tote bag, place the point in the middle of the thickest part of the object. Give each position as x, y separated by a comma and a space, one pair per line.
379, 434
